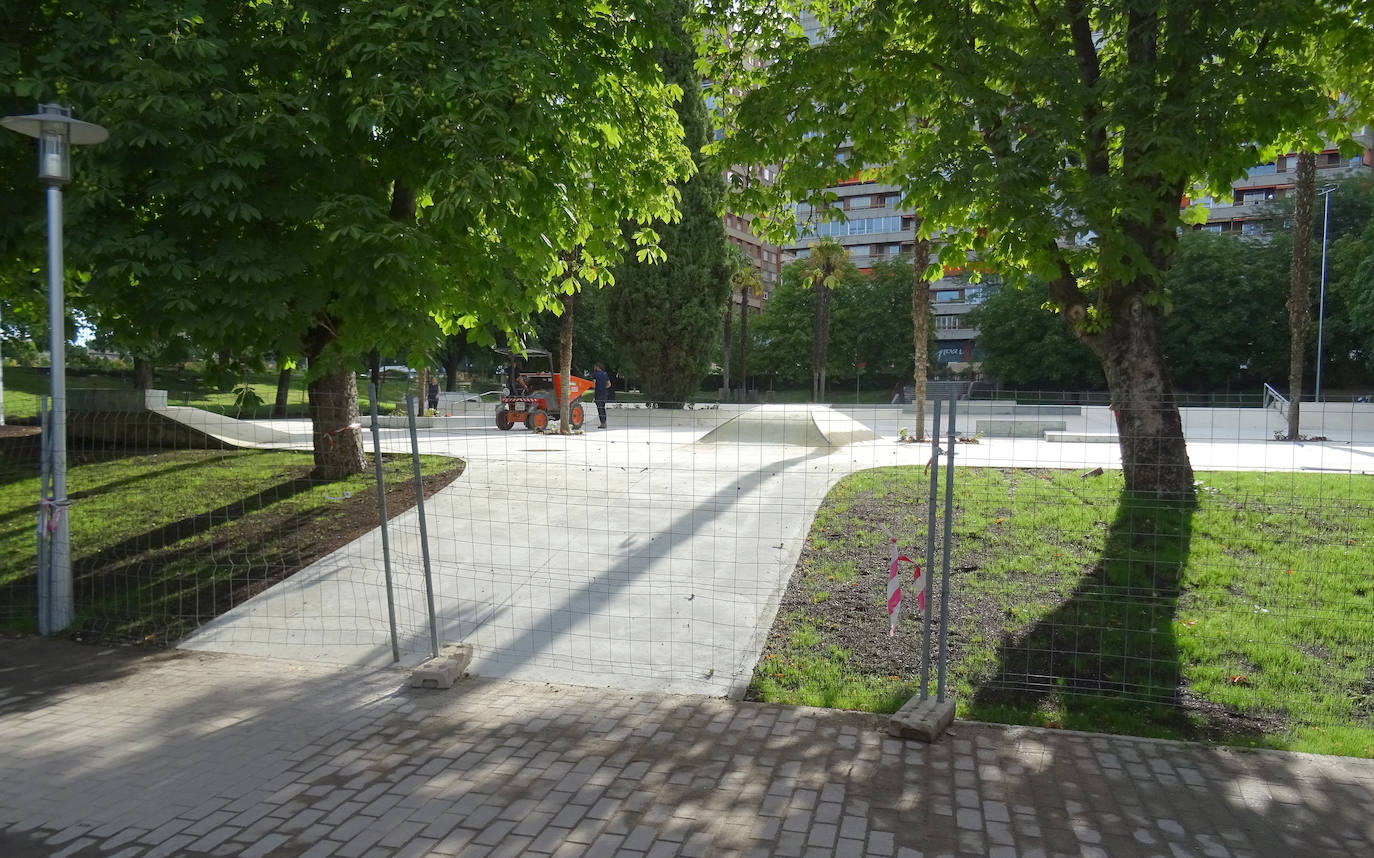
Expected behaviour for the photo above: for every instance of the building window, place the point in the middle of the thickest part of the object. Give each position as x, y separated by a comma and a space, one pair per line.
947, 323
1333, 159
1252, 228
949, 296
856, 226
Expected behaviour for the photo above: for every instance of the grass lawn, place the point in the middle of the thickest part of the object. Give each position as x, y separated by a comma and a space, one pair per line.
23, 386
1245, 620
164, 541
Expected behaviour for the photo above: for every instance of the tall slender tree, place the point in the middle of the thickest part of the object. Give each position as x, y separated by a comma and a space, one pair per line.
669, 314
750, 284
1300, 285
824, 270
920, 324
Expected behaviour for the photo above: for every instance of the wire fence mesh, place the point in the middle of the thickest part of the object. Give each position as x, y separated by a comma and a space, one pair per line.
739, 548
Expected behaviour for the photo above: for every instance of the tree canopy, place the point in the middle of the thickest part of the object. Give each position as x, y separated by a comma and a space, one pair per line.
668, 314
1053, 139
311, 178
863, 327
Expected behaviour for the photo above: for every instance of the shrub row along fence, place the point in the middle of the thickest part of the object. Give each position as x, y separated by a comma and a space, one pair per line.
739, 549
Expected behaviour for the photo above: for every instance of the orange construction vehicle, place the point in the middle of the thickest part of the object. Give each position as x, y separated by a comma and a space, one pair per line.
535, 396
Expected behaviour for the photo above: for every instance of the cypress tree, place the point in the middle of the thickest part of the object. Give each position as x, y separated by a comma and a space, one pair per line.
669, 313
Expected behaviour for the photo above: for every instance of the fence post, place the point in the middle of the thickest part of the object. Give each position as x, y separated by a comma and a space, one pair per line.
930, 547
424, 536
381, 510
44, 590
949, 527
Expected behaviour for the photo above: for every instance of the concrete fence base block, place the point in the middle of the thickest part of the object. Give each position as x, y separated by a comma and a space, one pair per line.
441, 672
926, 719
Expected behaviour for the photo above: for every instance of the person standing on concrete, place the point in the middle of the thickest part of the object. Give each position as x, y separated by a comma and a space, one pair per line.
433, 392
601, 393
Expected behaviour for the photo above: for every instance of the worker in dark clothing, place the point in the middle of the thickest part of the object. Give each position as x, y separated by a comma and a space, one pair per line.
601, 393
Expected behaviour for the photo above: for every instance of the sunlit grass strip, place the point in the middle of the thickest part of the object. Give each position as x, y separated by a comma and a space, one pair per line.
161, 535
1258, 602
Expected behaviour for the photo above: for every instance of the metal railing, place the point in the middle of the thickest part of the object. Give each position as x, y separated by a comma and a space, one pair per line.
1275, 399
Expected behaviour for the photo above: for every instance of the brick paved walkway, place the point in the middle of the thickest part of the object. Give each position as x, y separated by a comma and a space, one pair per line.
198, 754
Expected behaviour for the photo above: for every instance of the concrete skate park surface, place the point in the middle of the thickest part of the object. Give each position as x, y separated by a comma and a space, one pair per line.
653, 554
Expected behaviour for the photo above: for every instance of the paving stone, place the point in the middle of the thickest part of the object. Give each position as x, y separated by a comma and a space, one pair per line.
350, 763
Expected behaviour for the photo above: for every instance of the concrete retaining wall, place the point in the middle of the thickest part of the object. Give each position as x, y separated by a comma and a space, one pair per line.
1018, 428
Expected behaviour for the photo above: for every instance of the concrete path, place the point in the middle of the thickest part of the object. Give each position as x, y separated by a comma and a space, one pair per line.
635, 557
631, 558
107, 753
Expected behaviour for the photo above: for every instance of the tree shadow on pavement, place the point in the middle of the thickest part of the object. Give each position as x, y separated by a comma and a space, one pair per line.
229, 755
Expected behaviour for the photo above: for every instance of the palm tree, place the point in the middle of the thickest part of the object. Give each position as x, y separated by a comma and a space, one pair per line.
744, 277
824, 268
750, 283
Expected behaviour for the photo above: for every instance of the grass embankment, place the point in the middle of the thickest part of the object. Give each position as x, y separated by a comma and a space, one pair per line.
1245, 619
23, 386
162, 542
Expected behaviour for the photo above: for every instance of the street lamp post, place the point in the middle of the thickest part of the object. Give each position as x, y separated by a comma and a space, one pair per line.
57, 132
1321, 304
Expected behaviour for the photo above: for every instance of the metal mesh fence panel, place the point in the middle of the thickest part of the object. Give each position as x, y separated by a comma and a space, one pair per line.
743, 549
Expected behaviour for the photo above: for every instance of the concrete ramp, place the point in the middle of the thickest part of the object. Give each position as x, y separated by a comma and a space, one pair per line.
795, 425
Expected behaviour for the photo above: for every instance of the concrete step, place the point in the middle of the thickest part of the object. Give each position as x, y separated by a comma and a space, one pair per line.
1083, 437
1018, 428
985, 408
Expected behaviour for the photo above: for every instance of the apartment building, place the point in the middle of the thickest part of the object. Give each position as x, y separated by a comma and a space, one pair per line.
877, 227
766, 256
1249, 209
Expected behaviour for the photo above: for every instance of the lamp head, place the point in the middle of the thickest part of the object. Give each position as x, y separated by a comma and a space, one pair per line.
57, 132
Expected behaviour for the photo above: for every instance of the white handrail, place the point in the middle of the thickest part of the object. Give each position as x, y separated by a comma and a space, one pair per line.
1276, 399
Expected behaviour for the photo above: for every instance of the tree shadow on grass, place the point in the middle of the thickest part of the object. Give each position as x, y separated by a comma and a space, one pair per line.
155, 587
1107, 657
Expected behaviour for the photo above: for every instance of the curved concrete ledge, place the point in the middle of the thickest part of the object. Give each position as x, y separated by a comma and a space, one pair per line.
793, 425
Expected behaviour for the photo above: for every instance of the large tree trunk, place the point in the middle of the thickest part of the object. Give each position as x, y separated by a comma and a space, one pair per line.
744, 343
725, 358
143, 374
920, 328
283, 393
565, 353
333, 405
1154, 456
454, 346
334, 429
1299, 286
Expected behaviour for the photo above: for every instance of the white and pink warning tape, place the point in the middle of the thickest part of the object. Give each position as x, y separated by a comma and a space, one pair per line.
894, 586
